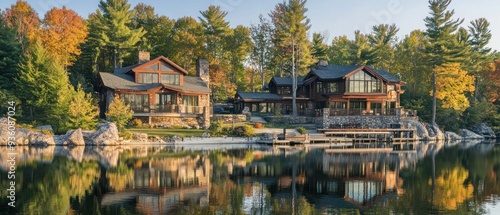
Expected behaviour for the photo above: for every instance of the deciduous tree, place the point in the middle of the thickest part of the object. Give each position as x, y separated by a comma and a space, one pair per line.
22, 17
452, 85
119, 112
82, 110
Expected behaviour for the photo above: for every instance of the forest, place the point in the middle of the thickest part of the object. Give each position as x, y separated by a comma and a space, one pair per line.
49, 62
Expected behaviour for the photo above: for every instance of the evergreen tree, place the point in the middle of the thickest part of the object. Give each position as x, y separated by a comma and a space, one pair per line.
119, 112
319, 49
216, 31
382, 41
44, 88
480, 36
10, 50
82, 110
187, 43
339, 52
290, 29
443, 46
113, 22
260, 54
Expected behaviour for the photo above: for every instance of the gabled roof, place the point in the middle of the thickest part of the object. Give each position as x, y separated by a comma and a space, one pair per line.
341, 71
120, 82
279, 81
248, 96
156, 60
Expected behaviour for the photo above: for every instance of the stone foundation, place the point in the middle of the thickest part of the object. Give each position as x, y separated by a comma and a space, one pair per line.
291, 120
228, 118
363, 121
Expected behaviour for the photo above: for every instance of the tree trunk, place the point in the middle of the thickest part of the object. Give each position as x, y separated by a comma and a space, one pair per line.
262, 73
434, 96
294, 82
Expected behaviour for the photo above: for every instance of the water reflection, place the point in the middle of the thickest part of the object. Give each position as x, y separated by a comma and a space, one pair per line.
460, 178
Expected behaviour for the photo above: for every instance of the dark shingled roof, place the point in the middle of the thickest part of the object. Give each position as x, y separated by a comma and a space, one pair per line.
258, 96
386, 75
287, 81
339, 71
333, 71
120, 80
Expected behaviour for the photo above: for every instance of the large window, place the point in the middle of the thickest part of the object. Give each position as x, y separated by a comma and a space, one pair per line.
138, 102
338, 105
166, 99
363, 82
333, 87
284, 91
147, 78
319, 87
190, 100
170, 79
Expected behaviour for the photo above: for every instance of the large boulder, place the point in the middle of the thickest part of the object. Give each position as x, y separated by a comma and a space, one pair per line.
422, 132
434, 132
75, 138
452, 136
469, 135
139, 137
483, 130
106, 134
39, 138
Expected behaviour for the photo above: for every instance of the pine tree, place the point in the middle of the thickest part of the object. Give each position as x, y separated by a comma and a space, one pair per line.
443, 46
216, 31
119, 112
319, 49
260, 55
382, 40
44, 88
82, 110
113, 22
10, 50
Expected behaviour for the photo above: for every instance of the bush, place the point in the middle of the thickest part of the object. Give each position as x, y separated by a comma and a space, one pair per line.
119, 112
244, 131
126, 134
216, 128
136, 123
301, 130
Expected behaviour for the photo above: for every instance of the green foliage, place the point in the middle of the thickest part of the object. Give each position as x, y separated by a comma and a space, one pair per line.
83, 111
479, 112
244, 131
119, 112
10, 51
319, 49
216, 128
301, 130
125, 134
137, 123
44, 88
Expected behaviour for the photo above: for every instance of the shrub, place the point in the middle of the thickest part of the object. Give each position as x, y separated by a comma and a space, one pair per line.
216, 128
244, 131
126, 134
301, 130
137, 123
119, 112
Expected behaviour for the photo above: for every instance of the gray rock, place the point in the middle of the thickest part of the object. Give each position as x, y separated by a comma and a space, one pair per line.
469, 135
483, 130
435, 132
140, 137
106, 134
452, 136
421, 130
40, 138
75, 138
205, 135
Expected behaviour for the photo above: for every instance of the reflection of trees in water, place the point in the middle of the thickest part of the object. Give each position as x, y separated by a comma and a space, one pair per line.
450, 189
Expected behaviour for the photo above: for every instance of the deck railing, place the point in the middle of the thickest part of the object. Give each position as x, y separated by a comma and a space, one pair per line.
187, 109
363, 112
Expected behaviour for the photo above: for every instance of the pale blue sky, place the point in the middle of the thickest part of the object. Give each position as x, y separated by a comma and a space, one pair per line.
330, 17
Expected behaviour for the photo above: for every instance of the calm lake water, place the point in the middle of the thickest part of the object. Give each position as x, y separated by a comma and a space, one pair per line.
241, 179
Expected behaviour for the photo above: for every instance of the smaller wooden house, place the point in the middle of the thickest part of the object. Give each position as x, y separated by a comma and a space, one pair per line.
159, 92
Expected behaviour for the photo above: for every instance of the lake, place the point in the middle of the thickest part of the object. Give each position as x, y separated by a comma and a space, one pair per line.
439, 178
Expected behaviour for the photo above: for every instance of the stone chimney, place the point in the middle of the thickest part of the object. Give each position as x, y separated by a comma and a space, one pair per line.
143, 57
323, 62
202, 66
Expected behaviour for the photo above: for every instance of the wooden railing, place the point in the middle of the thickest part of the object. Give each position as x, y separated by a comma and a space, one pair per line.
363, 111
168, 109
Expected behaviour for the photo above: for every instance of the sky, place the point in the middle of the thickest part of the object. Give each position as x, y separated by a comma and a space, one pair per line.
332, 18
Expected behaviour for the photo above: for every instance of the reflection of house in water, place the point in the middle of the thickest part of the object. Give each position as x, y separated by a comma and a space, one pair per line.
330, 180
160, 184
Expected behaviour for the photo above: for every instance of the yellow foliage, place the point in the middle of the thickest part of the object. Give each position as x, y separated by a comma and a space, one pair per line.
450, 190
452, 83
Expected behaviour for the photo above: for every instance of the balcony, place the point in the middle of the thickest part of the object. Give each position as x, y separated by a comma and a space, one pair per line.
364, 112
167, 109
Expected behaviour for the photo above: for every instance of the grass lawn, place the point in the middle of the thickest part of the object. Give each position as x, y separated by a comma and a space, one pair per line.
169, 132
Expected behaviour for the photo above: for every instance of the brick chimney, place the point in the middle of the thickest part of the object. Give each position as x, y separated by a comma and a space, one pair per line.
202, 66
143, 57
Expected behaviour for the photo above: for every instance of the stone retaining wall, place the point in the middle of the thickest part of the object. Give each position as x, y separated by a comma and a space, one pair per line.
228, 118
291, 120
363, 121
174, 122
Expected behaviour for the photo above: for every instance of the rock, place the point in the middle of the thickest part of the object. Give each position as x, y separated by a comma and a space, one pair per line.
106, 134
452, 136
434, 132
422, 132
469, 135
205, 135
483, 130
140, 137
47, 128
75, 138
40, 138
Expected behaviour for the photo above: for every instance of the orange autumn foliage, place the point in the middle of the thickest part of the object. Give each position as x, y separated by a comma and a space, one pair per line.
452, 85
24, 19
492, 82
63, 31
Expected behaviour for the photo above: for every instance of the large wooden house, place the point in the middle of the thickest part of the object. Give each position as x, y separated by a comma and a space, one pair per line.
159, 92
346, 90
